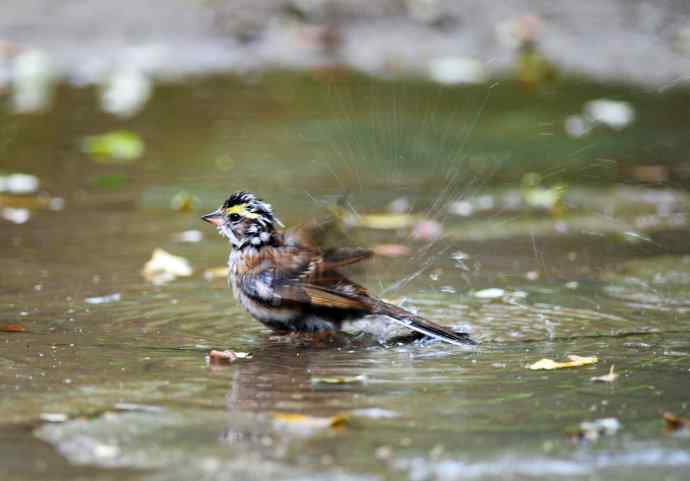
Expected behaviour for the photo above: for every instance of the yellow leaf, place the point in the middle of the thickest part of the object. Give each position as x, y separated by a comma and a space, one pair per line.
381, 221
574, 361
164, 267
339, 380
610, 377
216, 272
305, 421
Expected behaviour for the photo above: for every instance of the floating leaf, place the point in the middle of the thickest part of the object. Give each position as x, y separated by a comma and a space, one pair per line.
675, 423
164, 267
339, 380
456, 70
612, 113
133, 407
490, 293
12, 328
225, 357
375, 413
184, 201
380, 221
610, 377
120, 146
16, 216
31, 202
19, 183
112, 181
33, 82
593, 430
575, 361
428, 230
116, 296
309, 422
392, 250
53, 417
126, 91
216, 272
192, 235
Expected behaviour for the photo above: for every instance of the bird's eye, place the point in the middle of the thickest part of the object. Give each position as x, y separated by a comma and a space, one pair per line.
234, 217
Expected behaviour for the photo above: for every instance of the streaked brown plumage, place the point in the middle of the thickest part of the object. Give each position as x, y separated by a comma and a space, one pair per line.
293, 287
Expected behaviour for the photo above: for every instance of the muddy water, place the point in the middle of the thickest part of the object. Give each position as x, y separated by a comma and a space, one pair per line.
606, 274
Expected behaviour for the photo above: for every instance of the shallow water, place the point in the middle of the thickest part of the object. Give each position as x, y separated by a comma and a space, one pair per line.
607, 276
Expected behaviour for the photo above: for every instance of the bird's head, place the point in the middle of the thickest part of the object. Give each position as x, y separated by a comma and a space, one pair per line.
244, 219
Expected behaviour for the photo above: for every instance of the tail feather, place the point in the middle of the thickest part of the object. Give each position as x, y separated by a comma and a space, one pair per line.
419, 324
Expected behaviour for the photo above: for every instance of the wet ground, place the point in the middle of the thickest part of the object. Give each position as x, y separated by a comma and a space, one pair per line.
641, 42
591, 259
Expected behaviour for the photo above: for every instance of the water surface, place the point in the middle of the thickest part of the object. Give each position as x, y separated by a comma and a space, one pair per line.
606, 274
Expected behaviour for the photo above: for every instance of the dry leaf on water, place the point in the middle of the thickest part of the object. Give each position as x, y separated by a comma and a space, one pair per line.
309, 422
593, 430
675, 423
339, 380
164, 267
114, 297
225, 357
392, 250
574, 361
381, 221
610, 377
12, 328
216, 273
33, 202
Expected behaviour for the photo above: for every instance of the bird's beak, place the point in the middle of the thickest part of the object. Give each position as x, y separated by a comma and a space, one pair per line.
215, 217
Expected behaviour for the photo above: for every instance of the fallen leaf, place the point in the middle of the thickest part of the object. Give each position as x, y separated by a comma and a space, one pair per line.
309, 422
53, 417
19, 183
111, 181
114, 297
16, 216
427, 231
33, 202
117, 147
675, 423
612, 113
490, 293
649, 173
225, 357
375, 413
33, 79
164, 267
216, 272
593, 430
575, 361
339, 380
126, 91
133, 407
12, 328
451, 70
391, 250
184, 201
610, 377
380, 221
192, 235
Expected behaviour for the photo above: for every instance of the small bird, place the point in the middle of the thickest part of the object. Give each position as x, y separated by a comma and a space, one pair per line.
290, 286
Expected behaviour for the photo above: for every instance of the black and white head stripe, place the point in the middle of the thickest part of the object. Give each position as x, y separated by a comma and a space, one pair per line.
248, 205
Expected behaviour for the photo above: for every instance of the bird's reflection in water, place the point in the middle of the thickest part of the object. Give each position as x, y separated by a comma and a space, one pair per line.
279, 378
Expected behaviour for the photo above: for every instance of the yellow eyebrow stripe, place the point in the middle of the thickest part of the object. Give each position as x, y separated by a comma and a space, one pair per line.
241, 210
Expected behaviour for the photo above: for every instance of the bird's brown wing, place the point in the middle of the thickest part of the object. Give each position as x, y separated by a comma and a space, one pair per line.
314, 279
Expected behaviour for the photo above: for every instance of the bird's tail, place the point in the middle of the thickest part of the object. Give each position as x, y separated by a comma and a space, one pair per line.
419, 324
